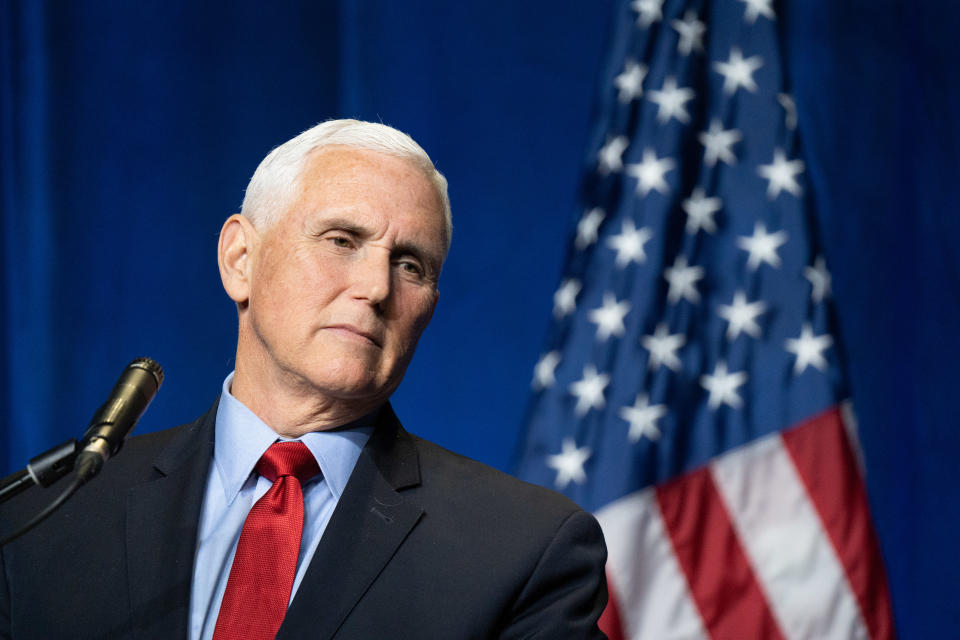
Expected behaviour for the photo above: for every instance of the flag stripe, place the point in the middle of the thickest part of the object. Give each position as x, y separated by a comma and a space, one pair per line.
824, 459
610, 622
652, 595
786, 543
724, 586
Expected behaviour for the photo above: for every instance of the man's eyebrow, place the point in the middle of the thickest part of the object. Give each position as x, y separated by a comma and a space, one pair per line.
345, 224
412, 250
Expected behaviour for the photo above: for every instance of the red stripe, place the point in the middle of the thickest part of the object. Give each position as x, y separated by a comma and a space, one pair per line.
824, 459
721, 580
611, 622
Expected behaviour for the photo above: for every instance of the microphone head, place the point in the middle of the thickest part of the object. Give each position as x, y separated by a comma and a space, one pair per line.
150, 365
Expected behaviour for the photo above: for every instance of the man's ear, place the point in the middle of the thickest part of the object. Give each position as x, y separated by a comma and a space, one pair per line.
238, 241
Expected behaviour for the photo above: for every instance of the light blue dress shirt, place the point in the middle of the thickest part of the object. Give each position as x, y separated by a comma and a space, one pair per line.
233, 487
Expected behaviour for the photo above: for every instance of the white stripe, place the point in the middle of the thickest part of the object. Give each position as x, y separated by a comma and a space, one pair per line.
652, 592
786, 543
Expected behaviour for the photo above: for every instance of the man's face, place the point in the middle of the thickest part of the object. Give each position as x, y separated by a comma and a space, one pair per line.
343, 285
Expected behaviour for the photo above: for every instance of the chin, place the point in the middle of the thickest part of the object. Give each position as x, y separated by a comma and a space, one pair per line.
353, 385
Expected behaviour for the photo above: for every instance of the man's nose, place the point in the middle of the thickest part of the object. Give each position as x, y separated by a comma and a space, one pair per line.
372, 276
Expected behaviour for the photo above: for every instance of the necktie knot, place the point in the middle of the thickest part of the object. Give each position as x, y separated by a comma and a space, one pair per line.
288, 459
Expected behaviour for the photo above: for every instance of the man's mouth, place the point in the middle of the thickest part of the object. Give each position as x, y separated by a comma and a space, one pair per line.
354, 332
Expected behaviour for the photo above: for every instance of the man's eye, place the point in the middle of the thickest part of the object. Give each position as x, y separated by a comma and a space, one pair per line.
341, 242
411, 267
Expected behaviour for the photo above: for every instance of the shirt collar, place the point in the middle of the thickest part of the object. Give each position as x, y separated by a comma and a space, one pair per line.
241, 437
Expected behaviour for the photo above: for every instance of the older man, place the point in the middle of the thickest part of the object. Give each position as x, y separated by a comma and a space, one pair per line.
298, 507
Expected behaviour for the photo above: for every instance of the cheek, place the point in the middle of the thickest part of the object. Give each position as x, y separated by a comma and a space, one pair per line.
414, 318
299, 281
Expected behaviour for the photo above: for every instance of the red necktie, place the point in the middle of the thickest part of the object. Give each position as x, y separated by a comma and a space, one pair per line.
261, 577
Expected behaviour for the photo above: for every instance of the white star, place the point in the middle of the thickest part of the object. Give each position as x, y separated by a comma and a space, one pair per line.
565, 298
630, 81
717, 144
790, 109
738, 72
663, 347
589, 390
610, 157
723, 387
762, 246
543, 373
691, 33
629, 244
648, 11
757, 8
700, 210
643, 418
588, 226
782, 174
650, 172
670, 100
819, 277
742, 316
809, 349
569, 463
683, 280
609, 317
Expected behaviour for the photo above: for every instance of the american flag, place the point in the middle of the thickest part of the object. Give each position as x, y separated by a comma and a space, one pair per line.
691, 392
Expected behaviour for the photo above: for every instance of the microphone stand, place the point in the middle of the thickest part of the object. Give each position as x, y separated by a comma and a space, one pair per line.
43, 470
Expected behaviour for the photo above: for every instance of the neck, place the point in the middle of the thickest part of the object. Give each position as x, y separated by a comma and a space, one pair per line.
293, 410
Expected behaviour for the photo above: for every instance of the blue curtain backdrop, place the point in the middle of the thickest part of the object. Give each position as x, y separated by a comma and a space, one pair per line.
129, 131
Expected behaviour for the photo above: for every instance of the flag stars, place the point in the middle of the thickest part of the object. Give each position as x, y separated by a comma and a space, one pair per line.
569, 463
738, 72
651, 172
809, 349
762, 246
630, 81
700, 209
544, 372
781, 174
589, 390
663, 348
691, 33
671, 100
565, 298
629, 244
722, 386
718, 144
609, 317
588, 226
643, 418
683, 281
756, 8
610, 157
819, 278
742, 316
648, 11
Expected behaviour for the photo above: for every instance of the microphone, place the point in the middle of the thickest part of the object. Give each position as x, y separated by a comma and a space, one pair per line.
131, 396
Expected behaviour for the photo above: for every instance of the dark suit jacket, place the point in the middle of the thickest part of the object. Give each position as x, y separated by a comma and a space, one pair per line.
424, 543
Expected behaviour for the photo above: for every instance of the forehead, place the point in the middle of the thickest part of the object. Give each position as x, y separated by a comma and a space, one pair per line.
340, 170
366, 184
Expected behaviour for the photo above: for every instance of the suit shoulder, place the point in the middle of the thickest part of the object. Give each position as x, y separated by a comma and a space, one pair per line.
479, 483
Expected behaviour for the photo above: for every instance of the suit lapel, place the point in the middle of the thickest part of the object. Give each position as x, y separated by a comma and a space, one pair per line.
163, 516
370, 522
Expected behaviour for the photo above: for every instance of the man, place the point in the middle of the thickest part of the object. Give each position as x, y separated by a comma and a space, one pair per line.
349, 527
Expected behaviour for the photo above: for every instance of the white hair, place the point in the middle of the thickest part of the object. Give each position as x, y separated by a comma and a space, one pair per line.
273, 186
